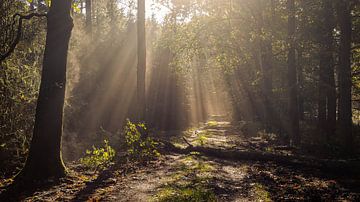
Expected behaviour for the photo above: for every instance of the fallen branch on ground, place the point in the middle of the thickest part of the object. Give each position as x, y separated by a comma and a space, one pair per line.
351, 166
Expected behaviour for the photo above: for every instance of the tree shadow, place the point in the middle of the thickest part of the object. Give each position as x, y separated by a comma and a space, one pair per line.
286, 182
101, 181
19, 190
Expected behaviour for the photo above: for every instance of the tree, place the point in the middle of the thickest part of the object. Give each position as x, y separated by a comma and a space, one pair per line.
293, 110
44, 159
345, 108
327, 91
141, 67
88, 22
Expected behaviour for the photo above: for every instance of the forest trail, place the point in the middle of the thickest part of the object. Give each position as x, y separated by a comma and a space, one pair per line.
192, 177
196, 177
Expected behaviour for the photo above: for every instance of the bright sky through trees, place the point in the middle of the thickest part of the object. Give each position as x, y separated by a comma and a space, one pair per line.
153, 8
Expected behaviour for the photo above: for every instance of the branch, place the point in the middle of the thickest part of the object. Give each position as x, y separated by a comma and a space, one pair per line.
187, 142
19, 30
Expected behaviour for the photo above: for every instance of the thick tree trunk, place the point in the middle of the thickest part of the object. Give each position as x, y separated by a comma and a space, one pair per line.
345, 113
44, 159
141, 67
292, 77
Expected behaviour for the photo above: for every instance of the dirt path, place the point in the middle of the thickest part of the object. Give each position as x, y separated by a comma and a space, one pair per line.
193, 177
184, 177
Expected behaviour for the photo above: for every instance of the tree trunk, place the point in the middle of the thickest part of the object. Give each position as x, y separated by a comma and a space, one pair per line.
292, 77
328, 61
345, 113
44, 159
141, 67
88, 23
264, 61
300, 67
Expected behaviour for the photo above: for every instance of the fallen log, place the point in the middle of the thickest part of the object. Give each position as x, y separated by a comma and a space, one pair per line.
336, 166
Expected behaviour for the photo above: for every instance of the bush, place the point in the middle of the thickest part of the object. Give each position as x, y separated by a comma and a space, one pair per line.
99, 158
138, 146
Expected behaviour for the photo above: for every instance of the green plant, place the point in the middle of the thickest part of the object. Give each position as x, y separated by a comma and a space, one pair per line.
138, 146
182, 194
99, 158
201, 139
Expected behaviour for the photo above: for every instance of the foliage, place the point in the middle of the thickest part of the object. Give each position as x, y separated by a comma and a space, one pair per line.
139, 148
99, 157
201, 138
19, 84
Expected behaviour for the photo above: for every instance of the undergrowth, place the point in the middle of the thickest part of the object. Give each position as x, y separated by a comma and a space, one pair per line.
99, 157
139, 147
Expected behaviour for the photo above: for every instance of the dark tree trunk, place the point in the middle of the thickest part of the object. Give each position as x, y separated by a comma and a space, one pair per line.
300, 67
292, 77
345, 113
141, 67
44, 159
88, 22
264, 61
322, 92
328, 62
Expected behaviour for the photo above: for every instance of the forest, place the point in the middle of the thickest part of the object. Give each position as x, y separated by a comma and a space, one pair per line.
179, 100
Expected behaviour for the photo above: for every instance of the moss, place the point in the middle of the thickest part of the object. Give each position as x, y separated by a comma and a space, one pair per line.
183, 194
261, 193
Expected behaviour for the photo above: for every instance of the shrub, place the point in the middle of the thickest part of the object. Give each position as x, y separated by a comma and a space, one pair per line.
139, 147
99, 158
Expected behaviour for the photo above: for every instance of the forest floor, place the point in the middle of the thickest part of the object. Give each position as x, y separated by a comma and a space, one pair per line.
200, 177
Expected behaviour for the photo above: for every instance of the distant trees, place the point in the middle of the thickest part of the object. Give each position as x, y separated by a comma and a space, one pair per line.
44, 159
291, 67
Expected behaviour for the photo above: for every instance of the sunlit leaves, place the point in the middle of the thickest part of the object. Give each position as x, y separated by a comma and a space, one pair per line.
139, 148
99, 157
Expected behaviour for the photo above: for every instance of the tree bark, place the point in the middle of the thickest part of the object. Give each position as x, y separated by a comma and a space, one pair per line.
44, 159
292, 77
328, 61
300, 67
141, 67
345, 112
88, 22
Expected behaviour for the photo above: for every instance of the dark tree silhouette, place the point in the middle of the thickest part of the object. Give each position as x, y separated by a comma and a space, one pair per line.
345, 111
88, 22
292, 77
327, 91
44, 159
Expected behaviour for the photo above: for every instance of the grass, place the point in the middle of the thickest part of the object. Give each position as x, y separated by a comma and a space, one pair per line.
261, 194
188, 183
184, 194
212, 123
